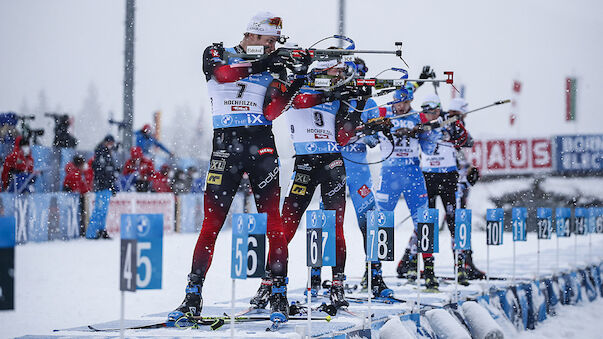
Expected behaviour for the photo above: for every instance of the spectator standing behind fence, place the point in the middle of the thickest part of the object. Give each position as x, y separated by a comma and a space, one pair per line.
105, 171
145, 140
161, 181
18, 168
141, 168
76, 180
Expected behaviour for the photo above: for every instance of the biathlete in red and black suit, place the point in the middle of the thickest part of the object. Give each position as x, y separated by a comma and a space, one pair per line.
319, 126
245, 97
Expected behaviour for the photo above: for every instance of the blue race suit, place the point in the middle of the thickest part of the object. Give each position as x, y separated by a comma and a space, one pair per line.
146, 142
400, 173
358, 173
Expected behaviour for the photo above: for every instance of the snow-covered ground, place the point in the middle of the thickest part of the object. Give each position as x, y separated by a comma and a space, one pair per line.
68, 284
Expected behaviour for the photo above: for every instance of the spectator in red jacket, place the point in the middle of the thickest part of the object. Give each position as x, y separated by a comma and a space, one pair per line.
18, 163
141, 167
76, 179
161, 181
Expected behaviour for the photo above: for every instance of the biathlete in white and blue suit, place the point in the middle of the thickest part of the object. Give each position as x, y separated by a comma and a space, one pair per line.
401, 173
360, 184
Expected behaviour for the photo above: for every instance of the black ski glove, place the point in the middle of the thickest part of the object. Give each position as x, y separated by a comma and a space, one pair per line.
473, 175
298, 65
347, 92
273, 62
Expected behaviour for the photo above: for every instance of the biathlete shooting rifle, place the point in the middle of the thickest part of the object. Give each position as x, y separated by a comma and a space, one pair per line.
320, 54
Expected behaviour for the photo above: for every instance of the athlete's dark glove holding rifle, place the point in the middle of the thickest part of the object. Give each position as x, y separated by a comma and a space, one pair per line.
273, 62
298, 65
376, 125
408, 132
343, 93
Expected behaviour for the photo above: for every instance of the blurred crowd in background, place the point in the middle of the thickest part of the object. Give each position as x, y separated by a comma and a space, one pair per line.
63, 167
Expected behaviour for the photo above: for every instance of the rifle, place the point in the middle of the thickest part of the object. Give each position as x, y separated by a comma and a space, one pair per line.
120, 124
382, 121
317, 54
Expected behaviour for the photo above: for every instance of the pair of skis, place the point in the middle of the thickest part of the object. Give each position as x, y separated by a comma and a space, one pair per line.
213, 322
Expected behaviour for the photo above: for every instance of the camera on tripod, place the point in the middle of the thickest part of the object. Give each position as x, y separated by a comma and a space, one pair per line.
62, 137
30, 133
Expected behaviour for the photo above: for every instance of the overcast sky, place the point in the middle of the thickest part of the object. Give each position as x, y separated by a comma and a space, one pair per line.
64, 46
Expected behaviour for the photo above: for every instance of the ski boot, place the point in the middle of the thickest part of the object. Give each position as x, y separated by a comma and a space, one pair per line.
104, 235
462, 276
262, 296
279, 306
473, 273
193, 302
337, 291
378, 286
431, 282
407, 267
315, 282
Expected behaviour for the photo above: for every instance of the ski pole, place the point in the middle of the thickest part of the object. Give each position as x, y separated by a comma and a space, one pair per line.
403, 220
456, 276
309, 300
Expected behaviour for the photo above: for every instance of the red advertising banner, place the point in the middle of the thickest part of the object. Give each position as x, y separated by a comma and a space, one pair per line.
496, 156
542, 153
518, 154
511, 156
136, 203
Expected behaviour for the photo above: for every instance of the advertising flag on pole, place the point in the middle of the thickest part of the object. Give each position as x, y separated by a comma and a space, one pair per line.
570, 99
514, 100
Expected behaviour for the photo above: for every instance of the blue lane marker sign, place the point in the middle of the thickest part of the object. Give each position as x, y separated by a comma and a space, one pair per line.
256, 244
544, 217
149, 248
240, 232
325, 219
494, 226
519, 216
380, 236
462, 229
314, 238
7, 263
599, 219
580, 221
127, 271
563, 220
427, 240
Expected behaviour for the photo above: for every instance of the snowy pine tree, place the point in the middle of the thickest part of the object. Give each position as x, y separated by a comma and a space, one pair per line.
90, 124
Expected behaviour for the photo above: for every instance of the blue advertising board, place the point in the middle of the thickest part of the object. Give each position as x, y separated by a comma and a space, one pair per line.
190, 212
47, 216
579, 153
